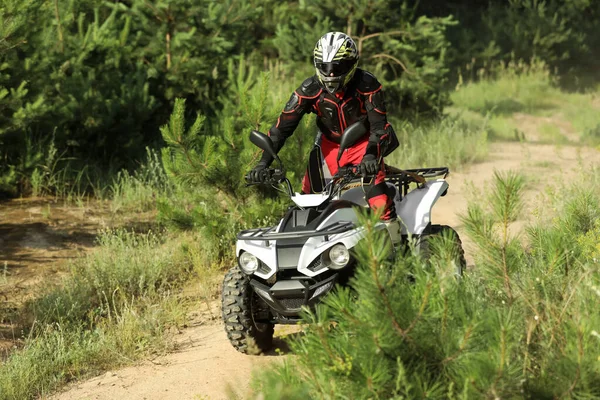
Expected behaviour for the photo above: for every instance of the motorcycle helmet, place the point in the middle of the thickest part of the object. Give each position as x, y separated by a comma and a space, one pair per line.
335, 60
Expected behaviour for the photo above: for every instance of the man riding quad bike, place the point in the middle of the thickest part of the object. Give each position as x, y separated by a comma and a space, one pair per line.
341, 94
295, 263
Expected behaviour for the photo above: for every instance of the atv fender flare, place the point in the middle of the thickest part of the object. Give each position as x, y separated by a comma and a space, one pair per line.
414, 210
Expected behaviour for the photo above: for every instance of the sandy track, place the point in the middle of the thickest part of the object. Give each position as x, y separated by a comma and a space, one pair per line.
201, 368
205, 366
205, 363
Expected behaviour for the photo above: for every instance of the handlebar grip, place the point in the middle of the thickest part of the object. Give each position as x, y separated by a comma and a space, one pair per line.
348, 170
269, 175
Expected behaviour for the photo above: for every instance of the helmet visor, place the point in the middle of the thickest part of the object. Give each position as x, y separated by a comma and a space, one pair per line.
335, 68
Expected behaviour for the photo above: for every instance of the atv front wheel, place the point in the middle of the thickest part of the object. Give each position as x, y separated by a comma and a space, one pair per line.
426, 249
239, 306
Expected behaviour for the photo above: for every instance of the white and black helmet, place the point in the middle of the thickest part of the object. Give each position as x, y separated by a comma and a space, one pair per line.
335, 59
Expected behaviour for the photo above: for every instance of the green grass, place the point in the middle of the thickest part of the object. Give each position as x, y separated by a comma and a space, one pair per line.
552, 134
530, 89
507, 89
583, 112
544, 164
497, 127
448, 142
57, 355
139, 192
115, 306
507, 92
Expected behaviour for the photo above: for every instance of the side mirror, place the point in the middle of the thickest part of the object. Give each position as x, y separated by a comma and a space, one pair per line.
350, 136
264, 142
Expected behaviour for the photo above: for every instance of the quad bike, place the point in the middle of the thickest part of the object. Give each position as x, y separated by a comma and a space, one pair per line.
297, 262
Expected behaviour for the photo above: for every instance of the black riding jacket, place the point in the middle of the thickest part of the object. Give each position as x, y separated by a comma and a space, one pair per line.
362, 99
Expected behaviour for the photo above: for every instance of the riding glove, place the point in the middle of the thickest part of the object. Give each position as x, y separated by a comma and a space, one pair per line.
369, 165
258, 174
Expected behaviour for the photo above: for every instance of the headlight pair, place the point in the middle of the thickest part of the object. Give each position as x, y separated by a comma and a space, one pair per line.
336, 258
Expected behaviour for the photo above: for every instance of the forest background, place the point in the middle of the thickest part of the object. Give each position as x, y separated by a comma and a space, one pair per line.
144, 108
85, 85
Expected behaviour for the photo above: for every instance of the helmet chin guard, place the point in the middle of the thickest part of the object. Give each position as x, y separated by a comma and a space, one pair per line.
335, 60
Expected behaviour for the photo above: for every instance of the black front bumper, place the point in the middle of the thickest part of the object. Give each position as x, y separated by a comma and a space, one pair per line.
287, 297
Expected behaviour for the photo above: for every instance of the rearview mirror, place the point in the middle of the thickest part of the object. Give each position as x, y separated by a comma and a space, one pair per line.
350, 136
264, 142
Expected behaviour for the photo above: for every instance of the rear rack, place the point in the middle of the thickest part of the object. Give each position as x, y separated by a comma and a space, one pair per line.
267, 234
403, 178
430, 172
423, 172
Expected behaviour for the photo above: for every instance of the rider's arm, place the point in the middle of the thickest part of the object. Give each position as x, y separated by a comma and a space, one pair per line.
376, 113
300, 103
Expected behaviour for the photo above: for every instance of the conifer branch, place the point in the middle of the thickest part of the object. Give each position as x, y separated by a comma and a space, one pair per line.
397, 61
579, 360
421, 309
59, 25
224, 22
559, 321
462, 347
445, 315
373, 264
531, 305
505, 275
361, 39
168, 49
169, 35
156, 11
502, 360
20, 42
530, 328
349, 315
505, 223
386, 301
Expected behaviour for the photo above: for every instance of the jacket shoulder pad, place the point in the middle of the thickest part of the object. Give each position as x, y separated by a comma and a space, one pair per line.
367, 83
310, 87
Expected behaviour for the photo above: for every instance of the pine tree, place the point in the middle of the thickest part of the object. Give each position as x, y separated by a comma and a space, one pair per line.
409, 329
209, 161
405, 50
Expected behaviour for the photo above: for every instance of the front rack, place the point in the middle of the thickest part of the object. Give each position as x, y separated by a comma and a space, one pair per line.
266, 234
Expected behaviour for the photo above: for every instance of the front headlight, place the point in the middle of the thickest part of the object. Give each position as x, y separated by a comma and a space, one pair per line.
248, 262
339, 256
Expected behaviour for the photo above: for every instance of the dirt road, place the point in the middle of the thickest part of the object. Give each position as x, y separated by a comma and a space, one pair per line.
206, 364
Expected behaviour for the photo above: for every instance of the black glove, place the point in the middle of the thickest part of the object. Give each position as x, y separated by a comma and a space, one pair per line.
258, 174
369, 165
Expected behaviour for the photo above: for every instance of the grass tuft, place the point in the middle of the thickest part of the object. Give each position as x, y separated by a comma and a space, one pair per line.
508, 90
448, 142
116, 305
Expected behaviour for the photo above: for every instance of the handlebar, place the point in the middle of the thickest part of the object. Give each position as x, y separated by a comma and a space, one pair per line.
350, 171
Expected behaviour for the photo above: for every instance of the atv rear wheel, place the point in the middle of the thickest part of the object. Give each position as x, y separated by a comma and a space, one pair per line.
239, 306
426, 249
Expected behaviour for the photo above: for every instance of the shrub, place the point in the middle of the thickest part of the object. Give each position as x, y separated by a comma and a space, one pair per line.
521, 323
